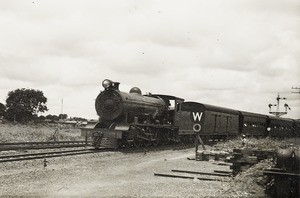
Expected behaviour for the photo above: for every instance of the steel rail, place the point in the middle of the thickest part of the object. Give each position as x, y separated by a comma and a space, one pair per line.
189, 177
202, 173
42, 145
287, 174
41, 153
45, 155
221, 171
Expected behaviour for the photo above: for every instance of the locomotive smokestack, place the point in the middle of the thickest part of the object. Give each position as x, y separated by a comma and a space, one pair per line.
116, 85
108, 84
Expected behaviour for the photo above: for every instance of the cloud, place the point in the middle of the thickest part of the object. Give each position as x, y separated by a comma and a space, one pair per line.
229, 53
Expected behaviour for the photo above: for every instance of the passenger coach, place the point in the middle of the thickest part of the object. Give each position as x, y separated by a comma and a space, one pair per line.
207, 120
297, 128
281, 127
253, 124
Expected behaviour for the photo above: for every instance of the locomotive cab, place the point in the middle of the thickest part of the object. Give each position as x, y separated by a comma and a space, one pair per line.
174, 106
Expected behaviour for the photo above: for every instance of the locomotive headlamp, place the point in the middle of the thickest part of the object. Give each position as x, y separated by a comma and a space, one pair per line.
106, 83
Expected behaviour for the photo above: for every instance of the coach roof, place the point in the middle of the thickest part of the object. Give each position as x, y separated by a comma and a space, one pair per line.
207, 107
244, 113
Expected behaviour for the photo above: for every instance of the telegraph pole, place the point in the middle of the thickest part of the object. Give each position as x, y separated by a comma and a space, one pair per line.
62, 106
278, 113
296, 88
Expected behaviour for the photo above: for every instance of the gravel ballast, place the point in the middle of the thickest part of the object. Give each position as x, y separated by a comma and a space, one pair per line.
117, 174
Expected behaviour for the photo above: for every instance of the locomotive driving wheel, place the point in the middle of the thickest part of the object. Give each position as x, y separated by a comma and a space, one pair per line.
136, 143
147, 143
155, 142
123, 144
154, 137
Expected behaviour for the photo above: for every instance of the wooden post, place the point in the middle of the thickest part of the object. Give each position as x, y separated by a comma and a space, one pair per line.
86, 138
196, 145
200, 140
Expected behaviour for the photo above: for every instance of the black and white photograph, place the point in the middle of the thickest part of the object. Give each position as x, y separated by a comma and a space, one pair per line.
148, 98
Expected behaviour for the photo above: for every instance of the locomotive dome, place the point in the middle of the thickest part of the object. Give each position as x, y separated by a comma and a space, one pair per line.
135, 90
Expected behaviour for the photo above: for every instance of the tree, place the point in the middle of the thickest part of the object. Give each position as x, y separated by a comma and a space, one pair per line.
2, 110
52, 118
41, 118
63, 116
79, 119
23, 104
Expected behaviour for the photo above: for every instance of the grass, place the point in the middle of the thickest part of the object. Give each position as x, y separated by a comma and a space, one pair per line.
38, 132
260, 143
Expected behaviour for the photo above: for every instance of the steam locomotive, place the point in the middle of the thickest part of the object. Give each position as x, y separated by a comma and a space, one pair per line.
134, 120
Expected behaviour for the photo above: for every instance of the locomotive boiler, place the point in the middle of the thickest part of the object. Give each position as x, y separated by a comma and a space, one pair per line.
113, 105
131, 119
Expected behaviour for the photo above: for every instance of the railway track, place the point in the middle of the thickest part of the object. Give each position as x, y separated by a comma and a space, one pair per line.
42, 145
44, 155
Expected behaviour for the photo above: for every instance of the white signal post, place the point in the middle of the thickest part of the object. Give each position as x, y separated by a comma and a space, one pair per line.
296, 88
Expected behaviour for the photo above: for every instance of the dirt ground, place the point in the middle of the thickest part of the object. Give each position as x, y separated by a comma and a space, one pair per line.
117, 174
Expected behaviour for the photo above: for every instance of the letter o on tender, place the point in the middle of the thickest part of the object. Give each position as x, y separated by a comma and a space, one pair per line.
197, 127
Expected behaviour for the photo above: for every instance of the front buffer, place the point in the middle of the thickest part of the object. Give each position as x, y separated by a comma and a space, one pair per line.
109, 138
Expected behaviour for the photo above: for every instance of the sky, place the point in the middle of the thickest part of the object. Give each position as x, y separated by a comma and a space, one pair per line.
234, 54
